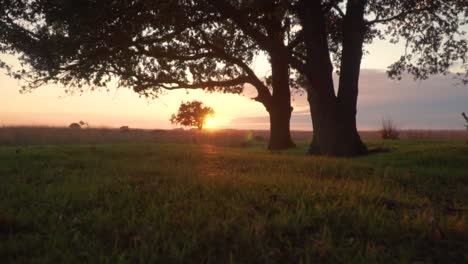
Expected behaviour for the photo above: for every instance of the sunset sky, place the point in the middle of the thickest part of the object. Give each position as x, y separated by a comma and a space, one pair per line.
432, 104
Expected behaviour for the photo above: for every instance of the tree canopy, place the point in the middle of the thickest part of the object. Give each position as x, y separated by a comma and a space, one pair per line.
146, 45
150, 46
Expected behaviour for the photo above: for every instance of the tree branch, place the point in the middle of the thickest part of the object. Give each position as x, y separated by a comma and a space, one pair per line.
174, 55
298, 39
264, 95
241, 20
338, 9
172, 84
397, 16
333, 5
297, 64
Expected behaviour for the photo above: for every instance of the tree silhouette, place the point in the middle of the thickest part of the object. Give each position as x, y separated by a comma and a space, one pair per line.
339, 30
150, 46
192, 114
153, 46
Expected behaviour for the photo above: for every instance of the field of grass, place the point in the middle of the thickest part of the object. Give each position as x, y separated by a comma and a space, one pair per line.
156, 202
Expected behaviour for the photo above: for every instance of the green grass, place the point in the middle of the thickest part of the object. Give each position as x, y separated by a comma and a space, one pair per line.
182, 203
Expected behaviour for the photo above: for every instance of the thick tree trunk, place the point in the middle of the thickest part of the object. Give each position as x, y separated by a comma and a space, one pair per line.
335, 132
270, 38
353, 39
280, 107
333, 117
280, 136
337, 135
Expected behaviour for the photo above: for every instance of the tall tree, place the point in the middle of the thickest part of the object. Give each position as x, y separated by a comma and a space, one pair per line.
324, 35
150, 46
339, 30
268, 24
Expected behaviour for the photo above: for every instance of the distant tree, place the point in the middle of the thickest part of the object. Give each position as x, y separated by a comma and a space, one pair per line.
192, 114
74, 126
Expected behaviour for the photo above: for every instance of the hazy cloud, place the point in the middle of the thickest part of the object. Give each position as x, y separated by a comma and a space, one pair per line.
431, 104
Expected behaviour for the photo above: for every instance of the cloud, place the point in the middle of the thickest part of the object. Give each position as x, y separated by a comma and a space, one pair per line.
432, 104
299, 121
435, 103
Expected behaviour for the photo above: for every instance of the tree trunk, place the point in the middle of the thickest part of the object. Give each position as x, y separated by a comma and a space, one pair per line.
270, 38
280, 136
333, 118
353, 39
336, 135
335, 132
280, 107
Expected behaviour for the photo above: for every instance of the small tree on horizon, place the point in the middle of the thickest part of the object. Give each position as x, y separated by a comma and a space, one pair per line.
192, 114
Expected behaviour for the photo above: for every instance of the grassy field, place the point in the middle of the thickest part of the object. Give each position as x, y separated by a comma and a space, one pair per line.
191, 202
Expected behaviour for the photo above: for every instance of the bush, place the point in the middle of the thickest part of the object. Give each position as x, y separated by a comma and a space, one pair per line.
124, 129
389, 129
74, 126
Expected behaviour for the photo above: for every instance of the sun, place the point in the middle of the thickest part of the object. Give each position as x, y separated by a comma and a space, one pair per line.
210, 122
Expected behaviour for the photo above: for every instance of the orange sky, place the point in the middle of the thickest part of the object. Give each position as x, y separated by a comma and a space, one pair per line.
50, 106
